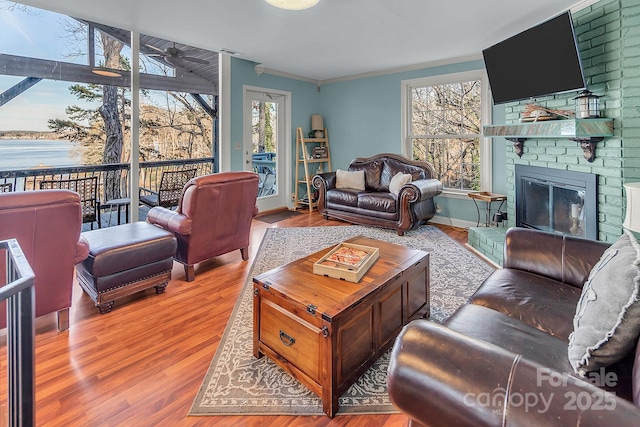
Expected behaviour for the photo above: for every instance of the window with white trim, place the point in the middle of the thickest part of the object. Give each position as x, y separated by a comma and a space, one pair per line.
444, 120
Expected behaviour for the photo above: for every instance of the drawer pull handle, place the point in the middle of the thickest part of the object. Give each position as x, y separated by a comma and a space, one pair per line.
286, 339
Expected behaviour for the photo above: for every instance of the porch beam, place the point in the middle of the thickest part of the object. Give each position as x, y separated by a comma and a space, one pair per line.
211, 111
13, 65
17, 89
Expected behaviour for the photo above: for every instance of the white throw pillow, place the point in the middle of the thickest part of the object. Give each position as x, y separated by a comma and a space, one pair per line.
398, 181
346, 179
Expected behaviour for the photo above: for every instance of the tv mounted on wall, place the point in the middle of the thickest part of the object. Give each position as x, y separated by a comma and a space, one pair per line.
540, 61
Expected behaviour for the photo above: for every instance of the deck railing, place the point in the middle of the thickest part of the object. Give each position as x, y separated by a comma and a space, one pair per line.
20, 296
118, 173
113, 179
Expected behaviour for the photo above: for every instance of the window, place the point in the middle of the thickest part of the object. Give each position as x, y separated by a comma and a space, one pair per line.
444, 117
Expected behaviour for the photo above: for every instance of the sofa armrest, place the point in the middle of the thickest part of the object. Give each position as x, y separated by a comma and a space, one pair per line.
563, 258
439, 377
170, 220
325, 181
81, 251
425, 189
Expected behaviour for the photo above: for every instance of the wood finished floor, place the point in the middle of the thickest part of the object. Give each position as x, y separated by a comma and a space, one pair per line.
143, 363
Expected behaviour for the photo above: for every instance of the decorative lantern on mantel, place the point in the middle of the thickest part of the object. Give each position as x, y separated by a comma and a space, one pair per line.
587, 105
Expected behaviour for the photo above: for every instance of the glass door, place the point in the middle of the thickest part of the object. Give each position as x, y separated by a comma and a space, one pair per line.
265, 146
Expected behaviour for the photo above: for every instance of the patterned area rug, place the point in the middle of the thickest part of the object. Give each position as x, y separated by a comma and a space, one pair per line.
238, 383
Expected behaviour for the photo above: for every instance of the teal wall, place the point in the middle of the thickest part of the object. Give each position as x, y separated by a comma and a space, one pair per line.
362, 117
304, 101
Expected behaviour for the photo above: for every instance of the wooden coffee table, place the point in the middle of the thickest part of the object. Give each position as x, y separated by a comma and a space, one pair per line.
327, 332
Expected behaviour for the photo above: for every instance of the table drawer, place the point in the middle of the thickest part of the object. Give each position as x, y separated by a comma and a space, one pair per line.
291, 337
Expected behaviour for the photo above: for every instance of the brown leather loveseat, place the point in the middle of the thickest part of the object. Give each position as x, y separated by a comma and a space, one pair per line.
503, 359
375, 204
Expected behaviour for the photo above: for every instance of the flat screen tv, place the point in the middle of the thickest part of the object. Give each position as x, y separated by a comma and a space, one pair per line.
540, 61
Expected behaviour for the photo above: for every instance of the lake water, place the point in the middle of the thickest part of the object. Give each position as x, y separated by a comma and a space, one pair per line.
26, 154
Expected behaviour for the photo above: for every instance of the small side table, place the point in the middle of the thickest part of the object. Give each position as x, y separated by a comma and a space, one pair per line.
117, 204
488, 198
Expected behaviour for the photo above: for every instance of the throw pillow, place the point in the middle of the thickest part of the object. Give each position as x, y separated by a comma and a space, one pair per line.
398, 181
607, 320
346, 179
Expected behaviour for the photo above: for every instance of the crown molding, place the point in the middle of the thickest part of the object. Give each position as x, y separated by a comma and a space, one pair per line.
287, 75
406, 68
420, 66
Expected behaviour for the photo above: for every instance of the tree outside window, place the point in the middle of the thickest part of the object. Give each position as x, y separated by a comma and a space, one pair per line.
445, 130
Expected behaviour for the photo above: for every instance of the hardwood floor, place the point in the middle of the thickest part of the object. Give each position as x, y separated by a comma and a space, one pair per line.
143, 363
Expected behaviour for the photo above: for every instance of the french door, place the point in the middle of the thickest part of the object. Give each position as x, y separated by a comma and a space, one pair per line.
266, 144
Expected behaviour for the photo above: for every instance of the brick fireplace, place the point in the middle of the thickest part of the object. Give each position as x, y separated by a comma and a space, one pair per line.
610, 66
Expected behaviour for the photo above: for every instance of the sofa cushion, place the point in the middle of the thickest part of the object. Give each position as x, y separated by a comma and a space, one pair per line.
372, 171
517, 337
350, 179
342, 197
398, 181
607, 317
511, 334
391, 167
539, 301
377, 201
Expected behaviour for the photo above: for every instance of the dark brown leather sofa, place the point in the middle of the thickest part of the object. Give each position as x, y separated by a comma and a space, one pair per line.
376, 205
511, 339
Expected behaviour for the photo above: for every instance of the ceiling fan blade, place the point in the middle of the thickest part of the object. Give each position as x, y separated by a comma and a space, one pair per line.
197, 60
156, 49
172, 60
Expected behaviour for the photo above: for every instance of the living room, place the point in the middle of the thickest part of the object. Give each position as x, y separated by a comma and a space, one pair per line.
113, 392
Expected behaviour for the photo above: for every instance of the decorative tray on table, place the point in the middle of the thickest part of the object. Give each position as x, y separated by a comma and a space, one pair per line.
347, 261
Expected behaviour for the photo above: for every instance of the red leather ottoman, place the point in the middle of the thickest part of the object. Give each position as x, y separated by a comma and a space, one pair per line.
125, 259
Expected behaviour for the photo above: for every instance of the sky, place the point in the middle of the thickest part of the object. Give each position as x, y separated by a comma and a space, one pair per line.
39, 34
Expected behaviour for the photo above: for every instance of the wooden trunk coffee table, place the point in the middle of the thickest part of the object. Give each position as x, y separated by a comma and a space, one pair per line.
327, 332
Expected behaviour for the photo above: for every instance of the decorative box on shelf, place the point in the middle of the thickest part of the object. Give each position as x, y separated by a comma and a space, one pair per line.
320, 152
347, 261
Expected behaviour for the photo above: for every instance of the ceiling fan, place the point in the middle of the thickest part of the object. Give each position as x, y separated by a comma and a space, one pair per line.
175, 56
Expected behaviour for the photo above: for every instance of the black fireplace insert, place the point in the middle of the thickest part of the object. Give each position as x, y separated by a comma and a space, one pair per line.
556, 200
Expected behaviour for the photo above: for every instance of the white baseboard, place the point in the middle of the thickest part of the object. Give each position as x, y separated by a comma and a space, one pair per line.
445, 220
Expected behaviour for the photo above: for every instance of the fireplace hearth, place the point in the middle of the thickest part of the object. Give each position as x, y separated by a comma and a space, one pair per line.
555, 200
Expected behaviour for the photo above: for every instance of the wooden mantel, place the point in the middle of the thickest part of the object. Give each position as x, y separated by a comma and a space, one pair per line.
587, 132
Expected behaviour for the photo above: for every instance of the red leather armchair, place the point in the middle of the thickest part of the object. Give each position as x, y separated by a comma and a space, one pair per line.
213, 217
47, 225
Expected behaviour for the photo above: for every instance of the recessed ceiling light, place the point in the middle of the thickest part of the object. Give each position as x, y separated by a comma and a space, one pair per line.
293, 4
106, 72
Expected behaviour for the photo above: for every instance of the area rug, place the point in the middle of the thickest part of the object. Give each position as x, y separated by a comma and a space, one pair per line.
237, 383
278, 216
